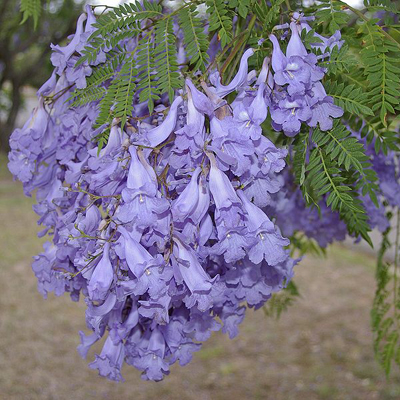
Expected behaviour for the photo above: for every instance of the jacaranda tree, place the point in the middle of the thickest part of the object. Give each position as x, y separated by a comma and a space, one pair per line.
182, 157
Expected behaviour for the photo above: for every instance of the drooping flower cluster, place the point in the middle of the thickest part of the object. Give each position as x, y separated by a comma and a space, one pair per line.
162, 230
180, 222
299, 96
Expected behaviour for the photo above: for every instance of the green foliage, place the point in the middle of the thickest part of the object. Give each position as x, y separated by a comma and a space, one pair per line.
117, 102
220, 20
340, 61
267, 11
301, 244
165, 59
242, 6
152, 69
350, 97
309, 38
94, 91
372, 129
331, 14
280, 302
347, 151
326, 178
389, 5
337, 169
385, 313
380, 57
146, 72
155, 55
196, 41
138, 70
124, 92
31, 9
368, 90
120, 23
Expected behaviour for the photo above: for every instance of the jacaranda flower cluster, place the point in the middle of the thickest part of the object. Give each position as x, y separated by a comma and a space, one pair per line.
299, 95
166, 230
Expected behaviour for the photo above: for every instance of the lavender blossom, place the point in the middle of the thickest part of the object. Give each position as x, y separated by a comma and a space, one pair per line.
161, 229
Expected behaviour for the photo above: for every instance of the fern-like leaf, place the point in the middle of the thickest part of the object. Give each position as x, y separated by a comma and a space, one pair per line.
165, 58
381, 69
126, 15
126, 89
326, 178
350, 97
196, 41
347, 151
373, 129
280, 302
220, 20
242, 6
388, 5
146, 72
330, 13
93, 90
385, 313
121, 23
267, 11
31, 9
339, 61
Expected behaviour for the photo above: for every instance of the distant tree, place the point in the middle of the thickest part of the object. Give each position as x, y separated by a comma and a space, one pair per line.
24, 52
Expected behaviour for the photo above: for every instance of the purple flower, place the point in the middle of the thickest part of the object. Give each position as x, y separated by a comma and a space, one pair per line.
295, 46
157, 135
221, 189
199, 101
154, 280
86, 343
102, 277
140, 202
186, 203
91, 221
156, 309
151, 229
48, 87
201, 324
324, 43
289, 113
234, 243
232, 316
299, 77
323, 112
61, 55
184, 352
278, 59
137, 257
139, 176
27, 143
110, 360
270, 243
151, 360
121, 331
189, 270
239, 80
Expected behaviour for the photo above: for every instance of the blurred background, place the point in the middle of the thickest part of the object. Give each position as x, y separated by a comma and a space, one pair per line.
321, 348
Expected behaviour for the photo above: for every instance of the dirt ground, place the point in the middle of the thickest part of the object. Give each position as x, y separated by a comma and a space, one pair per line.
319, 349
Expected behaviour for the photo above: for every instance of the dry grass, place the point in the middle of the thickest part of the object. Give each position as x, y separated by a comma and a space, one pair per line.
319, 349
